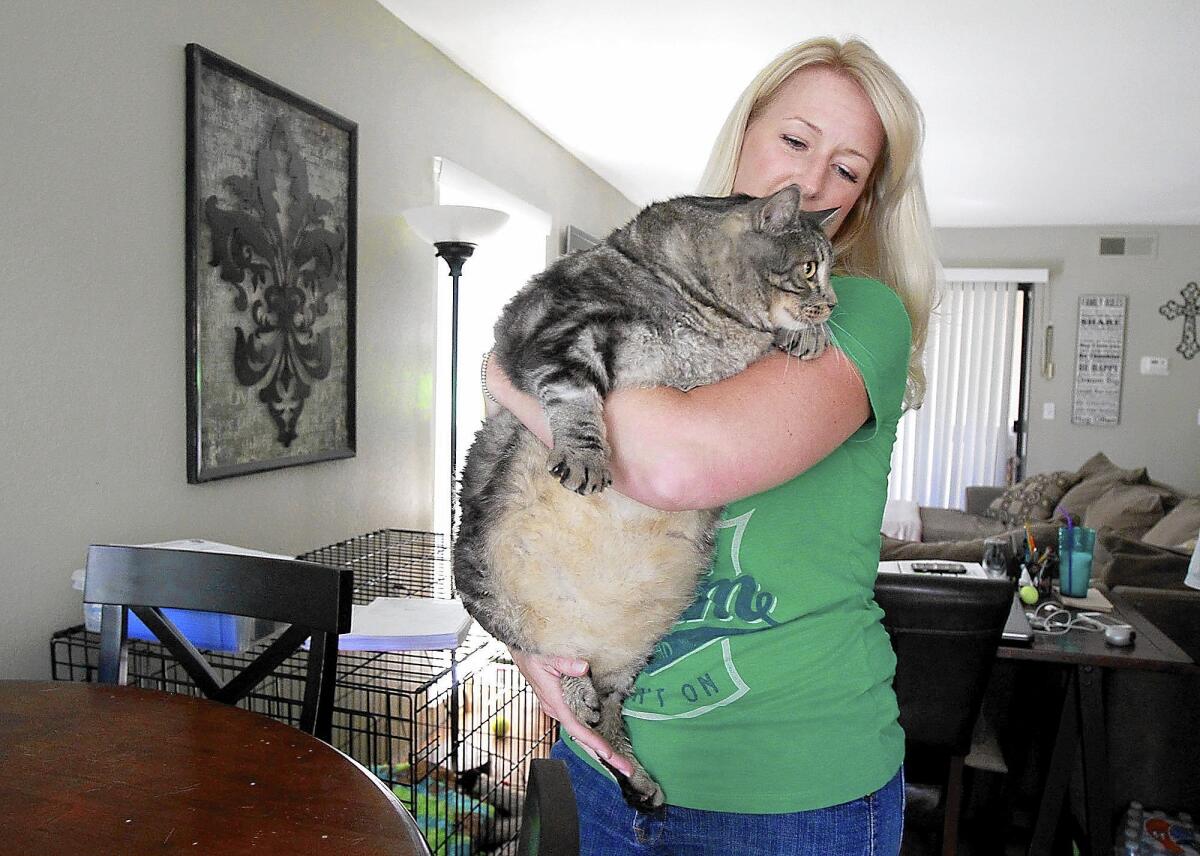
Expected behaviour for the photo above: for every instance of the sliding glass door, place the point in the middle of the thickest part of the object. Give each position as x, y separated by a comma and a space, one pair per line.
971, 428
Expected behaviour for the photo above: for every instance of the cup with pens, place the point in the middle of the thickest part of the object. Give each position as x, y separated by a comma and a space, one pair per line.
1036, 562
1075, 547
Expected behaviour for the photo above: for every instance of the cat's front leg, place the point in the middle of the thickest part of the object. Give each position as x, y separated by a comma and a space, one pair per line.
807, 342
580, 457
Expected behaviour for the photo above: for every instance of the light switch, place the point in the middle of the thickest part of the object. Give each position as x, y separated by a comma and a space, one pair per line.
1156, 366
1048, 410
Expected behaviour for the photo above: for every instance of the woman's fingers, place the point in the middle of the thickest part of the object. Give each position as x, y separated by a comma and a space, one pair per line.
594, 744
543, 674
569, 666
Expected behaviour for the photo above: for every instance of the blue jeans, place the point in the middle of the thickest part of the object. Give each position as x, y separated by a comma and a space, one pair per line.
868, 826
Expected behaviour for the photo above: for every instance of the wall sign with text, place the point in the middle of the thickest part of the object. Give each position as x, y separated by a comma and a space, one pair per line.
1099, 359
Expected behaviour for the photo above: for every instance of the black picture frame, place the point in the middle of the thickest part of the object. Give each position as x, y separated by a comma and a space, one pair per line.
271, 239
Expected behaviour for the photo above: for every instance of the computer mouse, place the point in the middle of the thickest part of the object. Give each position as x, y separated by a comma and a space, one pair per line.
1120, 635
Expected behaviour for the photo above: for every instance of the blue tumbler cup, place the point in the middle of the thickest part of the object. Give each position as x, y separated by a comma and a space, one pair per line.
1075, 546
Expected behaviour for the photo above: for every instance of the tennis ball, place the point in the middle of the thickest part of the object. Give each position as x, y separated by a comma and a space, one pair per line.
1029, 595
500, 726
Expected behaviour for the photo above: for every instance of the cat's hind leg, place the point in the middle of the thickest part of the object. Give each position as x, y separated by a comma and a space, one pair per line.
581, 697
639, 790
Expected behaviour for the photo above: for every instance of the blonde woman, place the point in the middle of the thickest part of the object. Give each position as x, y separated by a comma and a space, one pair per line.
767, 714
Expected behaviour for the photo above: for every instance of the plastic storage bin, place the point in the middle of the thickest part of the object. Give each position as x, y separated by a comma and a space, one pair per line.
211, 631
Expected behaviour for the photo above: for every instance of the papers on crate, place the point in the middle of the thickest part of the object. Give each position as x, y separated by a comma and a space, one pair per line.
406, 624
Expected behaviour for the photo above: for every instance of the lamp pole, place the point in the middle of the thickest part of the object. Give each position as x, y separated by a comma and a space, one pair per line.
455, 231
455, 253
456, 222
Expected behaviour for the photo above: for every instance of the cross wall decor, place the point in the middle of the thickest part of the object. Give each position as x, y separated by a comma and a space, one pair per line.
1189, 309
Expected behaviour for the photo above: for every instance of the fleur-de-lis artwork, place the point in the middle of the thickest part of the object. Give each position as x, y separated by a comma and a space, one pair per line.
1189, 308
282, 262
271, 234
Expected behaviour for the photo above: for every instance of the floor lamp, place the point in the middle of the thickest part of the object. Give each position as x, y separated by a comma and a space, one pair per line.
454, 230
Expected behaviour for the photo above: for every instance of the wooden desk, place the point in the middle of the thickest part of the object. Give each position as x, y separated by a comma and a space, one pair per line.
1081, 721
90, 768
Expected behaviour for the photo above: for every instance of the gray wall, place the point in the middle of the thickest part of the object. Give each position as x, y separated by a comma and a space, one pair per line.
92, 319
1158, 427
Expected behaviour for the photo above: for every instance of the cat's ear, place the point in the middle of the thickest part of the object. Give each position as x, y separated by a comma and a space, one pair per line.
779, 210
822, 218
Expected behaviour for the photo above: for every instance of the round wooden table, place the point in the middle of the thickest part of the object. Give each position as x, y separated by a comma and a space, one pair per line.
99, 769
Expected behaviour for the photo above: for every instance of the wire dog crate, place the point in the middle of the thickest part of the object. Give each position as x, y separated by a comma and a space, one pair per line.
451, 732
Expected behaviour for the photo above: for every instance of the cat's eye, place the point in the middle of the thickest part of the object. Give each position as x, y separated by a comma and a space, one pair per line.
810, 270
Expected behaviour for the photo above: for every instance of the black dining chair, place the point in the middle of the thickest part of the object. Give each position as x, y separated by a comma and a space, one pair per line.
945, 632
550, 817
314, 600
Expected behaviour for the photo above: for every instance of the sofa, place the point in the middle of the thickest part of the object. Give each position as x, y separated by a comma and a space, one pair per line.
1145, 529
1146, 532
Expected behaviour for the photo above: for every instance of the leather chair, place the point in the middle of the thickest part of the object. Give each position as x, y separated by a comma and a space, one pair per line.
945, 631
314, 599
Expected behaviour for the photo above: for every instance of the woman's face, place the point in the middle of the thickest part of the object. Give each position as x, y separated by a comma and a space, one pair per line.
820, 132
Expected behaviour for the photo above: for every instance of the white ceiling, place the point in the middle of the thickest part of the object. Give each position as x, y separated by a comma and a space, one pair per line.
1038, 112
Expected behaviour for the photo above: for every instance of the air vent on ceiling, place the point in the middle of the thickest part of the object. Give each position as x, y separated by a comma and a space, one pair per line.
1145, 246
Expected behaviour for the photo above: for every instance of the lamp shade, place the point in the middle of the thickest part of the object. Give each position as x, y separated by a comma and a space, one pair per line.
1193, 574
464, 223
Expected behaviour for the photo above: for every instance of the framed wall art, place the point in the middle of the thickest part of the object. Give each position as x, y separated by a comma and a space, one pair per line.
271, 236
1099, 360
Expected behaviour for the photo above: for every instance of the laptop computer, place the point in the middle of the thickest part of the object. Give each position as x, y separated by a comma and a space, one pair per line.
1017, 630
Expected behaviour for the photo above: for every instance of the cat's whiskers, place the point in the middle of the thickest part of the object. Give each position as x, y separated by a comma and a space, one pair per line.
793, 337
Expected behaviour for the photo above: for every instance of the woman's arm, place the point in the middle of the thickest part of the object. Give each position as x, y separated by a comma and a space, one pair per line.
677, 450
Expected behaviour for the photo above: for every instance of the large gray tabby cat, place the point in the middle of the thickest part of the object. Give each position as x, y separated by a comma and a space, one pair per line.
691, 291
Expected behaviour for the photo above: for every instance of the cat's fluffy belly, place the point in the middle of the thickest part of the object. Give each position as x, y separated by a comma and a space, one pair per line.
600, 577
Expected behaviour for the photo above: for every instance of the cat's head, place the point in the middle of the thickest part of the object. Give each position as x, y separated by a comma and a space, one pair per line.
766, 257
784, 254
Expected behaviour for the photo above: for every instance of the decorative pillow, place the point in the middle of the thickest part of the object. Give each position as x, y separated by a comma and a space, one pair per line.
1179, 527
1120, 561
1131, 509
1096, 465
1096, 476
1033, 498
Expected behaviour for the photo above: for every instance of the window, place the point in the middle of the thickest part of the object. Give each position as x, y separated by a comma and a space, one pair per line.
971, 429
490, 277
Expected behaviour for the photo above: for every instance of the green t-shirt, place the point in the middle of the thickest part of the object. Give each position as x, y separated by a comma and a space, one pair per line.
773, 692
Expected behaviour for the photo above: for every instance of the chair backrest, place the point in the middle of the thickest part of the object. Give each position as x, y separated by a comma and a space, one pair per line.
550, 817
945, 632
313, 599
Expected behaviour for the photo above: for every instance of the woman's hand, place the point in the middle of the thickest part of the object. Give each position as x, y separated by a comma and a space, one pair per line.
543, 673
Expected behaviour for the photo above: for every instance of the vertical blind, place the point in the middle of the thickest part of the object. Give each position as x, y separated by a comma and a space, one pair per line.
962, 435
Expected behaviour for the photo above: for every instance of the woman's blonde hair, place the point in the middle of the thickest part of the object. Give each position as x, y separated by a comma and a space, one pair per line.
887, 235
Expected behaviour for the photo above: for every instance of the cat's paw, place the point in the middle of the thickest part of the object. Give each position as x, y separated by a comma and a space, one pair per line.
584, 471
641, 792
808, 342
581, 697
